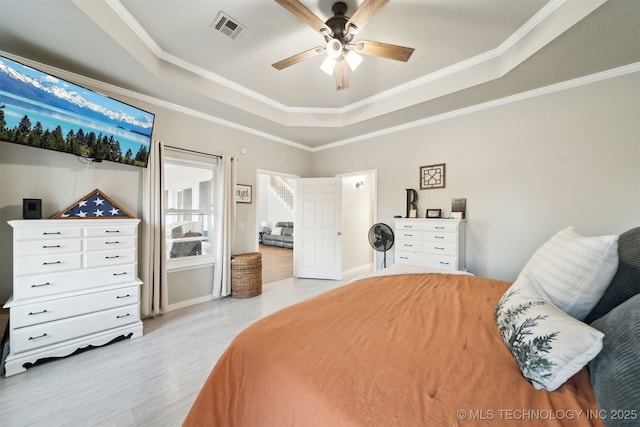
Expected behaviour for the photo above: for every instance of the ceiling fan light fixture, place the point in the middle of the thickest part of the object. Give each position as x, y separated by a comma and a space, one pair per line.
354, 60
328, 65
334, 48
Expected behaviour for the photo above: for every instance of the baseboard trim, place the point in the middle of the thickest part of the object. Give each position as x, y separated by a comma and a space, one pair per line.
189, 303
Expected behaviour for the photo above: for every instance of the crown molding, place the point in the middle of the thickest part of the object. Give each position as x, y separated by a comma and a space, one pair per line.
548, 23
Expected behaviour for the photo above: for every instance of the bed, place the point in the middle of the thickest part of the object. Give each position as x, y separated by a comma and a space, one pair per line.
411, 347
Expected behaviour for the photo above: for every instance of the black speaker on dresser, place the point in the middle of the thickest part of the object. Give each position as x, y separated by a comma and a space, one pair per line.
31, 208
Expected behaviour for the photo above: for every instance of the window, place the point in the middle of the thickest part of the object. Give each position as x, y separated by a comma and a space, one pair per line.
188, 213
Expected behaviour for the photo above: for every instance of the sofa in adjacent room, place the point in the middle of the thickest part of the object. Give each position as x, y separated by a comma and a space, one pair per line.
281, 235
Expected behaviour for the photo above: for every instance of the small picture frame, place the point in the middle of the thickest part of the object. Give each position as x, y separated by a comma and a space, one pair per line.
458, 206
433, 213
244, 193
432, 176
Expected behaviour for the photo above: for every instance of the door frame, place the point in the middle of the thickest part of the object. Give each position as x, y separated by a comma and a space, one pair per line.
374, 200
373, 190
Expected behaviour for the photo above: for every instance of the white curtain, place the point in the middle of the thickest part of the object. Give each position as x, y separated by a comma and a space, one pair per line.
224, 224
153, 265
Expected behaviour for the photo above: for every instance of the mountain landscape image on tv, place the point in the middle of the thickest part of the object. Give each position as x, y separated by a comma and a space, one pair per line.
41, 110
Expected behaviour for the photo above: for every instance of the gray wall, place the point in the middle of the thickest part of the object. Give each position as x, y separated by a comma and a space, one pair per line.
527, 169
59, 179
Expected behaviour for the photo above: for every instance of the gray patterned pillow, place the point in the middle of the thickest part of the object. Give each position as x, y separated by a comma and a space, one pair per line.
626, 282
615, 372
549, 345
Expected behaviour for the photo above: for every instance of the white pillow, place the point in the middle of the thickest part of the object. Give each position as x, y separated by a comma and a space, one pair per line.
572, 271
549, 345
276, 231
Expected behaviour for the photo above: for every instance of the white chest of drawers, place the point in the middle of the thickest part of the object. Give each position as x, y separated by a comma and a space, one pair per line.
74, 284
434, 243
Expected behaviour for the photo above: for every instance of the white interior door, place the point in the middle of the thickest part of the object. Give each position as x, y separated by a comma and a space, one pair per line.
317, 233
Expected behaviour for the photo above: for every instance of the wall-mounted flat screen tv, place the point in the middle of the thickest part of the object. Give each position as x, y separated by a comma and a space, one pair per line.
41, 110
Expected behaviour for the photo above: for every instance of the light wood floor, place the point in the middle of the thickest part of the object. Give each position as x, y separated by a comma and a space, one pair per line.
277, 263
148, 381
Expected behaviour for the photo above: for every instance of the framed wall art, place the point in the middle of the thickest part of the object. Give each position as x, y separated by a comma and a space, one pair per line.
432, 176
244, 193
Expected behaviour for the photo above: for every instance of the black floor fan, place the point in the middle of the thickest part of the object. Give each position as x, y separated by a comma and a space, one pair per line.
381, 239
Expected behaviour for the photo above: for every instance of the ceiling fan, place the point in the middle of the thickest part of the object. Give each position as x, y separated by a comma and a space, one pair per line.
339, 32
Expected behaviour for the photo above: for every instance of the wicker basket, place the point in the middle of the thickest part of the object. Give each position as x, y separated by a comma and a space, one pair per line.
246, 275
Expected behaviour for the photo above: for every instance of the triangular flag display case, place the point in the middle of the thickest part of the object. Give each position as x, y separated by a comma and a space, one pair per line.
94, 205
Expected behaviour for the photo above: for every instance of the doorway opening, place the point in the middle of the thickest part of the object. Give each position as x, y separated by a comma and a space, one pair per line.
275, 198
359, 213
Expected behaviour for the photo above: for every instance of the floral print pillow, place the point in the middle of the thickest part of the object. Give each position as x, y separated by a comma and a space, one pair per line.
549, 345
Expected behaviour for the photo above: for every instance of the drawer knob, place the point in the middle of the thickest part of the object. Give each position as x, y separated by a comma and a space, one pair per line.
111, 243
124, 315
112, 257
440, 249
52, 263
42, 284
39, 336
439, 237
123, 296
404, 257
50, 246
119, 274
33, 313
112, 231
444, 263
439, 228
51, 233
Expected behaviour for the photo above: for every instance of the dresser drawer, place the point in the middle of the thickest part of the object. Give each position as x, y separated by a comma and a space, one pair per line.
104, 258
409, 245
110, 243
39, 285
110, 231
440, 237
409, 258
44, 334
440, 248
46, 263
440, 227
49, 232
408, 225
409, 235
46, 246
56, 309
442, 262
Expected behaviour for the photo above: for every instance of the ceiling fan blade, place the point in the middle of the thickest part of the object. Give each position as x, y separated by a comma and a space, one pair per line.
301, 11
384, 50
298, 58
341, 74
365, 12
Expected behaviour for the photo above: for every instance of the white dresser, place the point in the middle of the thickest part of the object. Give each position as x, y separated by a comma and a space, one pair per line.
75, 284
435, 243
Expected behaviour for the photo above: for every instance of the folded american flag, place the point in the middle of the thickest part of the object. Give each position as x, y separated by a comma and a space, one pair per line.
94, 205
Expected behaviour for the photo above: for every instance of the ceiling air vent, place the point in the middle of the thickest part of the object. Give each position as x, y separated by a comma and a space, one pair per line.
227, 25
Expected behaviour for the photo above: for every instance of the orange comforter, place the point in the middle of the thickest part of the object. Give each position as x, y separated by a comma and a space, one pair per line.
407, 350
